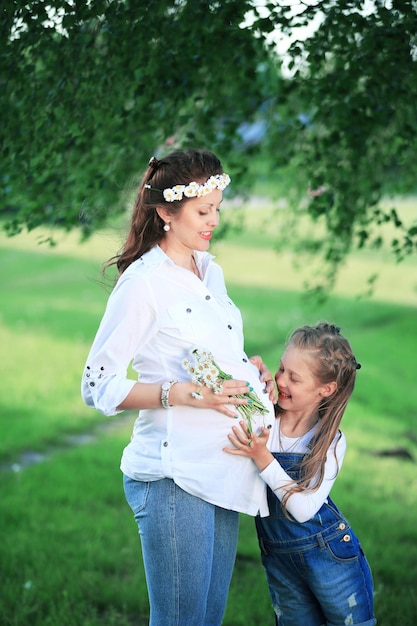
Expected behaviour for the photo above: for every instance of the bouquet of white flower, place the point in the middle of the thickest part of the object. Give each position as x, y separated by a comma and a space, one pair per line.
204, 370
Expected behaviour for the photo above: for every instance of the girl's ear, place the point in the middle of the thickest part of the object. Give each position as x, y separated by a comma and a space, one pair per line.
328, 389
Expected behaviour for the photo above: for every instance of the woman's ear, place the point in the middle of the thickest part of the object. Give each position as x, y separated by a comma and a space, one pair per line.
163, 213
328, 389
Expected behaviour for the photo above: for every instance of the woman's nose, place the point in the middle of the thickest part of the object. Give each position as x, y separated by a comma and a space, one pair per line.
214, 219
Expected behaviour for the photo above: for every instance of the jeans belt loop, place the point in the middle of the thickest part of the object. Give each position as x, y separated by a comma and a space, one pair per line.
321, 541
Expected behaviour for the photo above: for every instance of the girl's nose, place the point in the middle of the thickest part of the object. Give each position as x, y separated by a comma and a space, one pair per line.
280, 378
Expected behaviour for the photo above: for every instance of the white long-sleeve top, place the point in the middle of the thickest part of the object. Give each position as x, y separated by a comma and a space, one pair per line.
155, 315
305, 504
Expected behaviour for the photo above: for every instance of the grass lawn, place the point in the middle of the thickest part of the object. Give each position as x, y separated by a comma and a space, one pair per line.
70, 553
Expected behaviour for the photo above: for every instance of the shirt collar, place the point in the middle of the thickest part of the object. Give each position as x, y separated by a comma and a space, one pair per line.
156, 256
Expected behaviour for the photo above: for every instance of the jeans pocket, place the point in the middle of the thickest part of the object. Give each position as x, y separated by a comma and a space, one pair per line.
136, 493
344, 547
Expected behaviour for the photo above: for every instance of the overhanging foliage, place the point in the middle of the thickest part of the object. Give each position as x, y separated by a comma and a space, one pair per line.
351, 132
87, 99
91, 89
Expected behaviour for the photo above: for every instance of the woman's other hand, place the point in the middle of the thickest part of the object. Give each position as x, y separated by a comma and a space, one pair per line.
266, 377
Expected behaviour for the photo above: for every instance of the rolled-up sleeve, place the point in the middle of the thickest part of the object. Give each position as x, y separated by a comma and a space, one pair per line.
128, 322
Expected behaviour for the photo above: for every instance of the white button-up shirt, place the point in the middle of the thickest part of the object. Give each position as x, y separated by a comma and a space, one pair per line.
155, 315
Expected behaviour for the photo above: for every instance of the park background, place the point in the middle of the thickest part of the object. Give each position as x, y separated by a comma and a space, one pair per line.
320, 223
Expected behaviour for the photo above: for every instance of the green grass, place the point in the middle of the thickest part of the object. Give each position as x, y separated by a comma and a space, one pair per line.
70, 551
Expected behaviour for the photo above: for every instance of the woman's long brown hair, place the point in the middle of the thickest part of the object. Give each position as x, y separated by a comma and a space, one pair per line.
146, 227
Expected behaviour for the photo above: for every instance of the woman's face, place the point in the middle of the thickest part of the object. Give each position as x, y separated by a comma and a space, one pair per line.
192, 227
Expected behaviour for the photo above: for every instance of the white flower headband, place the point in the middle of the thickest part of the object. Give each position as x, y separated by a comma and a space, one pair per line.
193, 190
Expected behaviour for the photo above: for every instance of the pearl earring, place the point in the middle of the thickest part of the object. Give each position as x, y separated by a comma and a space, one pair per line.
167, 227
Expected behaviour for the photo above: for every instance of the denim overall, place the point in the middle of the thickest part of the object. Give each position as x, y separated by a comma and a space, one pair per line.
317, 572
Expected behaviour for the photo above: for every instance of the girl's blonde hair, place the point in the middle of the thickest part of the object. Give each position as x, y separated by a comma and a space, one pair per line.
332, 360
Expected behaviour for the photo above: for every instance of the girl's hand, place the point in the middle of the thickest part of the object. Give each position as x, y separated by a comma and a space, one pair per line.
265, 377
251, 445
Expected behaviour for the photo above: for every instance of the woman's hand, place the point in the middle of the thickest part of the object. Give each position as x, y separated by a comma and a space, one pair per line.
251, 445
265, 377
204, 398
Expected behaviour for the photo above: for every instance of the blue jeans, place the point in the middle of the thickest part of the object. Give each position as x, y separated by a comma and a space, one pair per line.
189, 549
317, 572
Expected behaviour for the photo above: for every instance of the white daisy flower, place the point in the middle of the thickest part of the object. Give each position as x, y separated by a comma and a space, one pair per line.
194, 189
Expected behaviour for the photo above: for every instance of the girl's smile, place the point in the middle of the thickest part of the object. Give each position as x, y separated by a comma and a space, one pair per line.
299, 392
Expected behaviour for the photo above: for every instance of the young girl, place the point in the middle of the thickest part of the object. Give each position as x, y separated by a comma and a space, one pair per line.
316, 570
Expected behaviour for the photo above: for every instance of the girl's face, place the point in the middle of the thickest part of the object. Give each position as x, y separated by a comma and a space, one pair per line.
192, 228
299, 391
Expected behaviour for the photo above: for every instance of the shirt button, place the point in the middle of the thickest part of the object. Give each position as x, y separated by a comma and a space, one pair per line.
229, 327
208, 297
165, 444
245, 360
92, 384
188, 310
346, 538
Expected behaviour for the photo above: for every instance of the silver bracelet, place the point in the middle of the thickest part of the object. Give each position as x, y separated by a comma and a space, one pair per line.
165, 389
